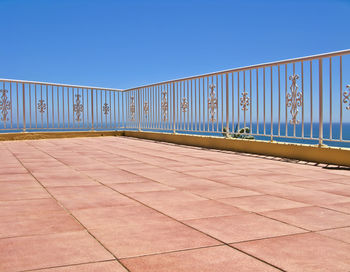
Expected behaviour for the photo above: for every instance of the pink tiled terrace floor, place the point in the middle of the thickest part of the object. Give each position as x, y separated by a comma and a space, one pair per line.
122, 204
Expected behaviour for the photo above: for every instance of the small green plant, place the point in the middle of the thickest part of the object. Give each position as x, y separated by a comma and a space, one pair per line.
243, 133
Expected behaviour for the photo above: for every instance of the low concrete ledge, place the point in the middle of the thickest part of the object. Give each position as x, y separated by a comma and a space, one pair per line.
311, 153
56, 134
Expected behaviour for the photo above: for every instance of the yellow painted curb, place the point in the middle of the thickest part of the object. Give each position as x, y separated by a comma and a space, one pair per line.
51, 135
303, 152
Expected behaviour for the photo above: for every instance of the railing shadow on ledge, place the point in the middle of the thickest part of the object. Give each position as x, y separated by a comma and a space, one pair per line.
304, 100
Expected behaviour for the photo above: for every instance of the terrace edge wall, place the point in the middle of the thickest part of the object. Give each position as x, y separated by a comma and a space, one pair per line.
303, 152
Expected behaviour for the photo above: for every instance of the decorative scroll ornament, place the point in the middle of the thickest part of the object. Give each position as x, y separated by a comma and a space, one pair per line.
346, 95
105, 108
42, 106
294, 99
132, 108
5, 105
245, 101
164, 106
184, 104
145, 108
78, 108
212, 103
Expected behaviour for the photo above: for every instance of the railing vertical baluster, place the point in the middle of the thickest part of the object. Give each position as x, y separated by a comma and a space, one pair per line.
68, 111
199, 106
233, 102
41, 97
63, 113
114, 110
251, 100
174, 129
47, 106
83, 103
17, 105
330, 98
101, 106
110, 110
341, 97
302, 99
264, 101
320, 73
227, 105
188, 101
222, 104
244, 111
294, 123
257, 101
195, 104
285, 98
11, 102
35, 106
279, 100
139, 109
53, 114
30, 106
58, 106
208, 99
271, 125
238, 96
123, 109
311, 109
24, 107
191, 106
203, 82
73, 92
178, 111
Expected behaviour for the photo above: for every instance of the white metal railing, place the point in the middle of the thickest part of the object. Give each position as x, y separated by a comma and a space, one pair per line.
305, 99
29, 105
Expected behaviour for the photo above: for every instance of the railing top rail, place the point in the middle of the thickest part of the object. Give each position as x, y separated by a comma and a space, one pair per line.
267, 64
58, 84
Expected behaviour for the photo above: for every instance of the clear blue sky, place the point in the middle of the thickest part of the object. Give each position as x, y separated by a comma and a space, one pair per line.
123, 44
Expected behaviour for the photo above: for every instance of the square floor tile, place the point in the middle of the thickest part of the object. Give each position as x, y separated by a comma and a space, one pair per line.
341, 207
341, 234
18, 193
119, 216
43, 251
34, 224
243, 227
326, 186
140, 187
144, 239
311, 218
196, 209
212, 259
164, 197
307, 252
261, 203
83, 197
28, 207
225, 192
